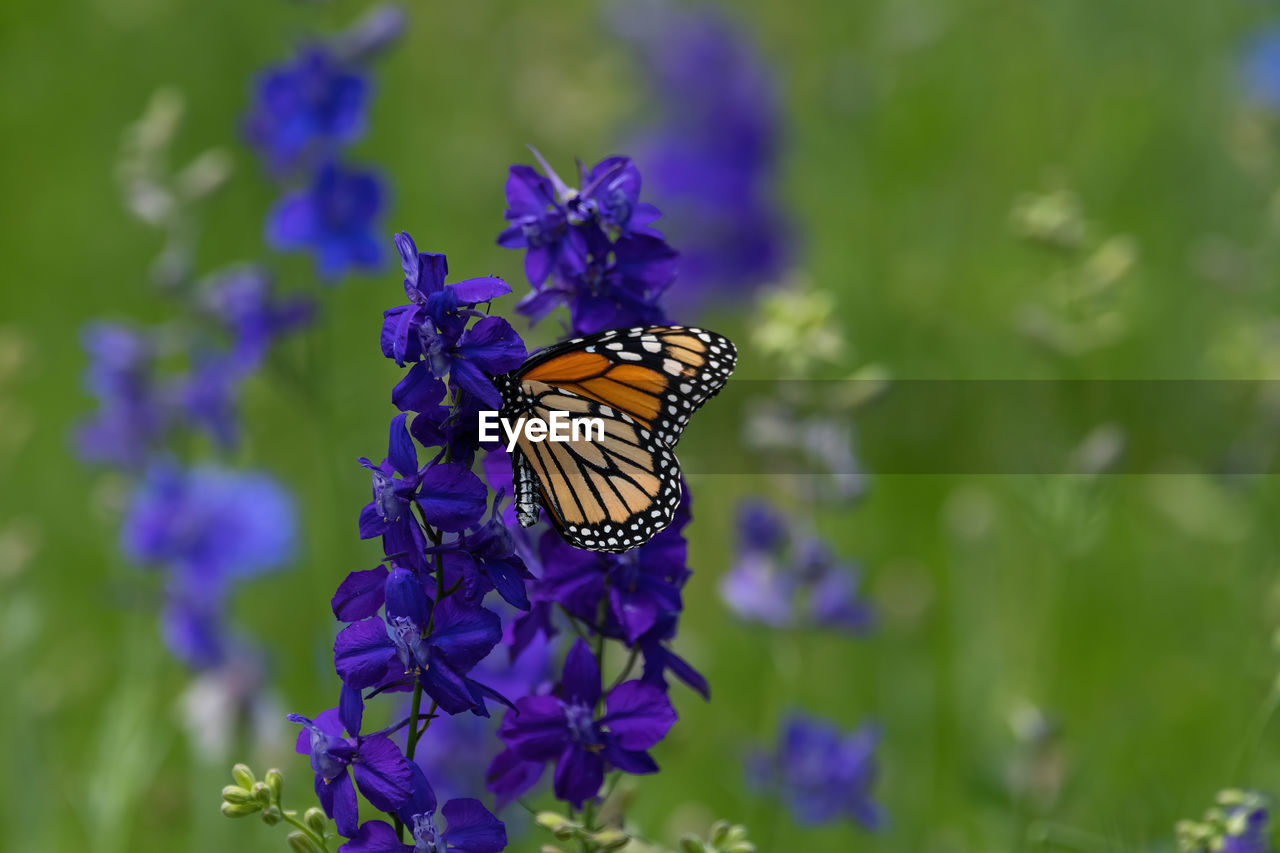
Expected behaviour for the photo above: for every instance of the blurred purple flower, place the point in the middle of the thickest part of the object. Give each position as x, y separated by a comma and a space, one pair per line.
335, 218
131, 416
711, 154
243, 300
822, 773
1260, 67
784, 578
207, 528
305, 108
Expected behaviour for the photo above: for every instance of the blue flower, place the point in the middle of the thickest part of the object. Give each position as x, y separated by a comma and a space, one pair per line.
383, 774
822, 773
335, 218
306, 107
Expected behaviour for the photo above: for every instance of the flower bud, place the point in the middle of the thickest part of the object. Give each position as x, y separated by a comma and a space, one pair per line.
239, 810
300, 842
316, 821
275, 781
271, 815
262, 793
689, 844
243, 775
610, 839
559, 825
238, 796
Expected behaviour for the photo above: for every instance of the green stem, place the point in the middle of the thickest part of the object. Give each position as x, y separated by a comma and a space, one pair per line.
291, 817
626, 670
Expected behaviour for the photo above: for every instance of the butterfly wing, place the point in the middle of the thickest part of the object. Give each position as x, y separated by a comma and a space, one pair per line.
659, 375
603, 495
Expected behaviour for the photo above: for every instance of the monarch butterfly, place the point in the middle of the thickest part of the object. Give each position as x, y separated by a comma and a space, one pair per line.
643, 383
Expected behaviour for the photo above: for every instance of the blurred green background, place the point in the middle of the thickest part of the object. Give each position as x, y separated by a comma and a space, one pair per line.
1135, 612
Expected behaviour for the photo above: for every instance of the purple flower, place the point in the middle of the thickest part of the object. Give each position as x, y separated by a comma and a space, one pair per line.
783, 578
208, 396
822, 773
306, 107
592, 249
564, 729
487, 560
374, 653
210, 525
335, 218
432, 328
131, 417
243, 299
382, 773
1253, 834
641, 584
456, 755
540, 225
471, 827
207, 528
1261, 67
712, 148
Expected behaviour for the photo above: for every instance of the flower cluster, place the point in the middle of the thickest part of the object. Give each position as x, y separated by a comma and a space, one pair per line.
712, 150
590, 249
821, 772
417, 623
785, 577
305, 111
206, 527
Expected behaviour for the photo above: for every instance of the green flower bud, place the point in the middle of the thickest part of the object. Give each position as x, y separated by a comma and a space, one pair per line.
238, 809
262, 793
243, 775
316, 821
238, 796
271, 815
300, 842
275, 781
690, 844
610, 839
559, 825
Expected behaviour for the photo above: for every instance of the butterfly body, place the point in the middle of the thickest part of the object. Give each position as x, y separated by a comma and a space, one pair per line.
642, 384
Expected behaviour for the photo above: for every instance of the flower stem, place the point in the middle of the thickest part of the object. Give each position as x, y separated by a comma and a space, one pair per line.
291, 818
